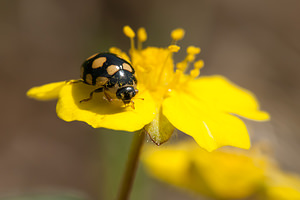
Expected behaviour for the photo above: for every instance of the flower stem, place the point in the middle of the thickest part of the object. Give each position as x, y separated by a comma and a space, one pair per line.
131, 167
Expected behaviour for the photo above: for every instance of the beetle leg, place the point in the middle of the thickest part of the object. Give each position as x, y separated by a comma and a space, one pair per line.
91, 94
108, 97
132, 104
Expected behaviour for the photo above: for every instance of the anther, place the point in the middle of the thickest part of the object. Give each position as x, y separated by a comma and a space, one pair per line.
173, 48
193, 50
199, 64
128, 32
177, 34
181, 66
142, 34
190, 58
142, 37
194, 73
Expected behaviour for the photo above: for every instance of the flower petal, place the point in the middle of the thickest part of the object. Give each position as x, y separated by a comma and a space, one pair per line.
222, 174
210, 129
98, 112
281, 185
225, 96
46, 92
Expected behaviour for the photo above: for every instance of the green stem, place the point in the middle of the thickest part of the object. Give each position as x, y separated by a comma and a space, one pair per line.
131, 167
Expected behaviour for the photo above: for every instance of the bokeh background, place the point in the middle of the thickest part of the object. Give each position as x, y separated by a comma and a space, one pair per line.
254, 43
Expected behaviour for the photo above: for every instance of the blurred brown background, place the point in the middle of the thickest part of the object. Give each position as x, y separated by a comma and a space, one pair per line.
256, 44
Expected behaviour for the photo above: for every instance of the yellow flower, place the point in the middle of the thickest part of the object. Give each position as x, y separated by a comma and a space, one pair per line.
281, 185
222, 174
168, 99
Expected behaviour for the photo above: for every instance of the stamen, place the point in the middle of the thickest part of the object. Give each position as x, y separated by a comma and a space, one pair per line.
115, 50
190, 57
196, 71
199, 64
181, 66
175, 80
142, 37
193, 50
129, 33
177, 34
172, 49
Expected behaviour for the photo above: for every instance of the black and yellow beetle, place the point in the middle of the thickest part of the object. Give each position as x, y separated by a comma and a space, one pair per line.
112, 75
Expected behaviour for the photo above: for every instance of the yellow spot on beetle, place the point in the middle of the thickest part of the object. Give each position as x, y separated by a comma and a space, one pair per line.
100, 81
127, 67
112, 69
89, 79
98, 62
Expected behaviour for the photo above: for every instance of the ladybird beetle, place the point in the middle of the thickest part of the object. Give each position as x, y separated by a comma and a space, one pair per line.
112, 75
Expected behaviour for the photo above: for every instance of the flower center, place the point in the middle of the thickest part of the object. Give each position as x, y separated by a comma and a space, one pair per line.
155, 67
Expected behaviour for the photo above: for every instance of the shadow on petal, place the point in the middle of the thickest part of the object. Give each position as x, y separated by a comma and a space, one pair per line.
98, 104
98, 112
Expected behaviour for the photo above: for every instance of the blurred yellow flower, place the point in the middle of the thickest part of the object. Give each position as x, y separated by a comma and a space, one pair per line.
168, 99
281, 185
222, 174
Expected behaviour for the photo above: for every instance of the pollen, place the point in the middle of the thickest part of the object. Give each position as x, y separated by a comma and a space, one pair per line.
199, 64
194, 73
174, 48
142, 34
193, 50
158, 74
190, 58
128, 32
180, 66
142, 37
177, 34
